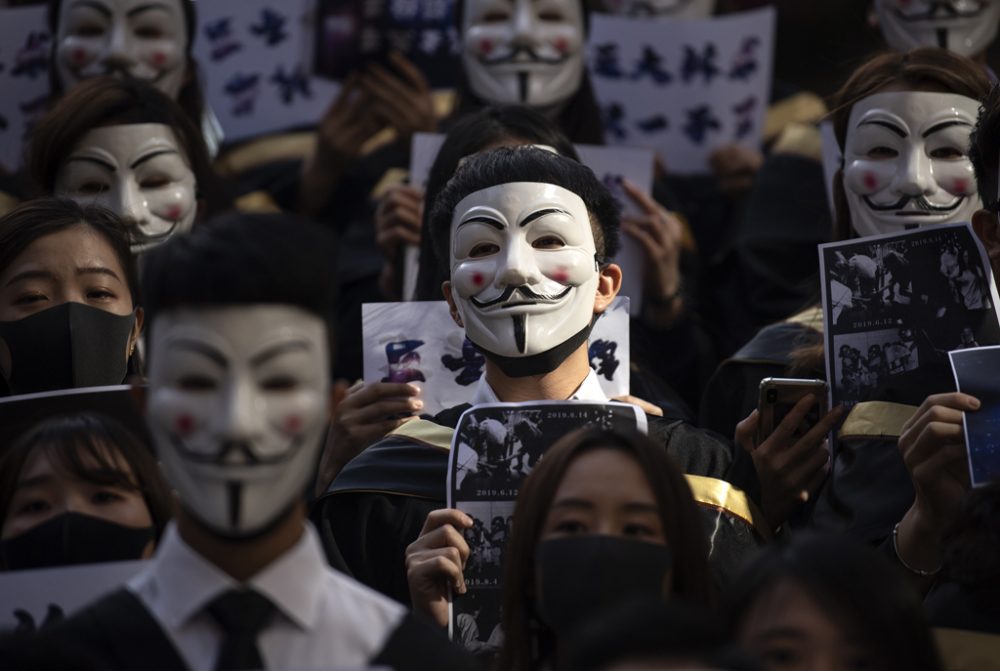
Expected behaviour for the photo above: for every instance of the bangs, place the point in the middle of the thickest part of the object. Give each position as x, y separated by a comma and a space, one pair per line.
89, 458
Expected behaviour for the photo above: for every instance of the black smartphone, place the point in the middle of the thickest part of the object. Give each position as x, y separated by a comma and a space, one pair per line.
778, 395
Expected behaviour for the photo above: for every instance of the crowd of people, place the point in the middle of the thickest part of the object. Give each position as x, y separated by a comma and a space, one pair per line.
295, 517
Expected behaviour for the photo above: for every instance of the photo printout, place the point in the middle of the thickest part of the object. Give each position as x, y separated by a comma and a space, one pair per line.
894, 306
494, 448
683, 87
975, 372
418, 342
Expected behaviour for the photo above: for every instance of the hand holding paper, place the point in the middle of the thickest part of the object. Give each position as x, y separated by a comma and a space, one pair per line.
398, 219
434, 562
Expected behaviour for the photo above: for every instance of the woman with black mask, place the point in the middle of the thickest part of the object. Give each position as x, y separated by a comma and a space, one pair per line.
69, 314
76, 490
603, 518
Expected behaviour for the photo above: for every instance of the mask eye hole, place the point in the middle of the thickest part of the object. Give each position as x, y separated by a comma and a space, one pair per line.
882, 153
548, 242
92, 188
484, 249
495, 16
551, 15
947, 153
279, 383
195, 382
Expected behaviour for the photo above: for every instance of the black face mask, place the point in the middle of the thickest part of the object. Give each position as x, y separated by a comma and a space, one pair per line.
74, 538
69, 345
581, 576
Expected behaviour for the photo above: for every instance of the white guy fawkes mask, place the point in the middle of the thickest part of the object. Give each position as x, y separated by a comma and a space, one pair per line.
675, 9
146, 39
523, 268
527, 52
906, 162
138, 171
966, 27
237, 408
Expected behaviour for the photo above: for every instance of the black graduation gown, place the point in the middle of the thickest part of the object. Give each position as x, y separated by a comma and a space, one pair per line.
378, 503
117, 633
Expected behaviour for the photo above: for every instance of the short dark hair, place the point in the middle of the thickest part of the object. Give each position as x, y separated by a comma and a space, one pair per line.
923, 69
469, 135
190, 97
527, 164
86, 445
854, 585
984, 150
679, 516
35, 219
111, 101
243, 259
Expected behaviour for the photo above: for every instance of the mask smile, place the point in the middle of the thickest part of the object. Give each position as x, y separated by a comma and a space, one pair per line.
250, 456
504, 302
523, 55
921, 206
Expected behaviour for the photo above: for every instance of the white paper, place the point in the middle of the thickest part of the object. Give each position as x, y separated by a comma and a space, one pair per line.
683, 87
975, 374
610, 164
27, 598
832, 158
256, 66
419, 342
24, 78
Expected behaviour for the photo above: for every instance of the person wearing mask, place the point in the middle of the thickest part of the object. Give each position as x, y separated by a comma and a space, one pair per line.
603, 518
79, 489
69, 312
238, 403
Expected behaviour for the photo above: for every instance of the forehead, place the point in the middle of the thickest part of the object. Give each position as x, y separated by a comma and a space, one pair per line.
238, 331
914, 108
80, 245
515, 200
129, 140
605, 474
123, 7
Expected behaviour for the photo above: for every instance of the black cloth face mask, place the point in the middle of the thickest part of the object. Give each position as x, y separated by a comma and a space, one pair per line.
581, 576
73, 538
66, 346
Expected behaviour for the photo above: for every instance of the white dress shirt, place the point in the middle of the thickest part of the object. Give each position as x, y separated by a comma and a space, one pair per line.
324, 619
589, 390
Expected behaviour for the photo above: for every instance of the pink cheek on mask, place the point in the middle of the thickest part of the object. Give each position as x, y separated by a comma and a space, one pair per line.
485, 47
78, 56
293, 424
870, 181
478, 279
561, 45
561, 275
173, 213
159, 58
184, 424
961, 187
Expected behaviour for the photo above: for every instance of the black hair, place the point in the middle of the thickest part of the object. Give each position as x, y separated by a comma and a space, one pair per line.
469, 135
655, 631
36, 219
88, 446
854, 585
984, 150
190, 97
527, 164
243, 259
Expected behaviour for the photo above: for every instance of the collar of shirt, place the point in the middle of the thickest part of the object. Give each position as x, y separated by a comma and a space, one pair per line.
589, 390
185, 582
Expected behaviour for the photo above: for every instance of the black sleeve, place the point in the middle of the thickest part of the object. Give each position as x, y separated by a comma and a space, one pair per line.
416, 645
366, 534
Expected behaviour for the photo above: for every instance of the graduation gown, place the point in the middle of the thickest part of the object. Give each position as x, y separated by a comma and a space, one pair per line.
378, 503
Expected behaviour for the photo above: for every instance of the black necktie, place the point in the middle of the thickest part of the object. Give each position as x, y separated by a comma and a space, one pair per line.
242, 614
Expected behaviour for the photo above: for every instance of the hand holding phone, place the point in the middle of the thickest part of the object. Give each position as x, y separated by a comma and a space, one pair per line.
777, 397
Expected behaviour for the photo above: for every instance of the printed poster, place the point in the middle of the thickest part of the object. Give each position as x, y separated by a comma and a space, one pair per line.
419, 342
976, 374
256, 66
895, 305
683, 87
494, 448
610, 164
24, 78
38, 597
350, 34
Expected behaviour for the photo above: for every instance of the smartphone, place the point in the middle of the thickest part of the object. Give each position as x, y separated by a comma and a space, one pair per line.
778, 395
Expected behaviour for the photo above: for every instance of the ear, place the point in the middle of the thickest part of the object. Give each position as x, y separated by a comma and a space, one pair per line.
986, 224
608, 286
446, 290
133, 339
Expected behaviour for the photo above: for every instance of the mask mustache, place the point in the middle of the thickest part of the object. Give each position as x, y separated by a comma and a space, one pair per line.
923, 206
940, 10
531, 296
140, 239
533, 58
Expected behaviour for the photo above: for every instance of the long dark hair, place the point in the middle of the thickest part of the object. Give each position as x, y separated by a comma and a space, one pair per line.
924, 69
90, 447
190, 97
523, 634
486, 127
854, 585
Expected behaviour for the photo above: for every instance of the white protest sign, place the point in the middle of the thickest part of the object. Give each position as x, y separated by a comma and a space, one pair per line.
28, 599
24, 78
256, 66
610, 164
683, 87
419, 342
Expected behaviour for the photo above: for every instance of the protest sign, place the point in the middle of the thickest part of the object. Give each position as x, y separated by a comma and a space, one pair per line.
24, 78
975, 372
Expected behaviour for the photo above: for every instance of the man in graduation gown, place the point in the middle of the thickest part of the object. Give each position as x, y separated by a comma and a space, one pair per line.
528, 234
238, 403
